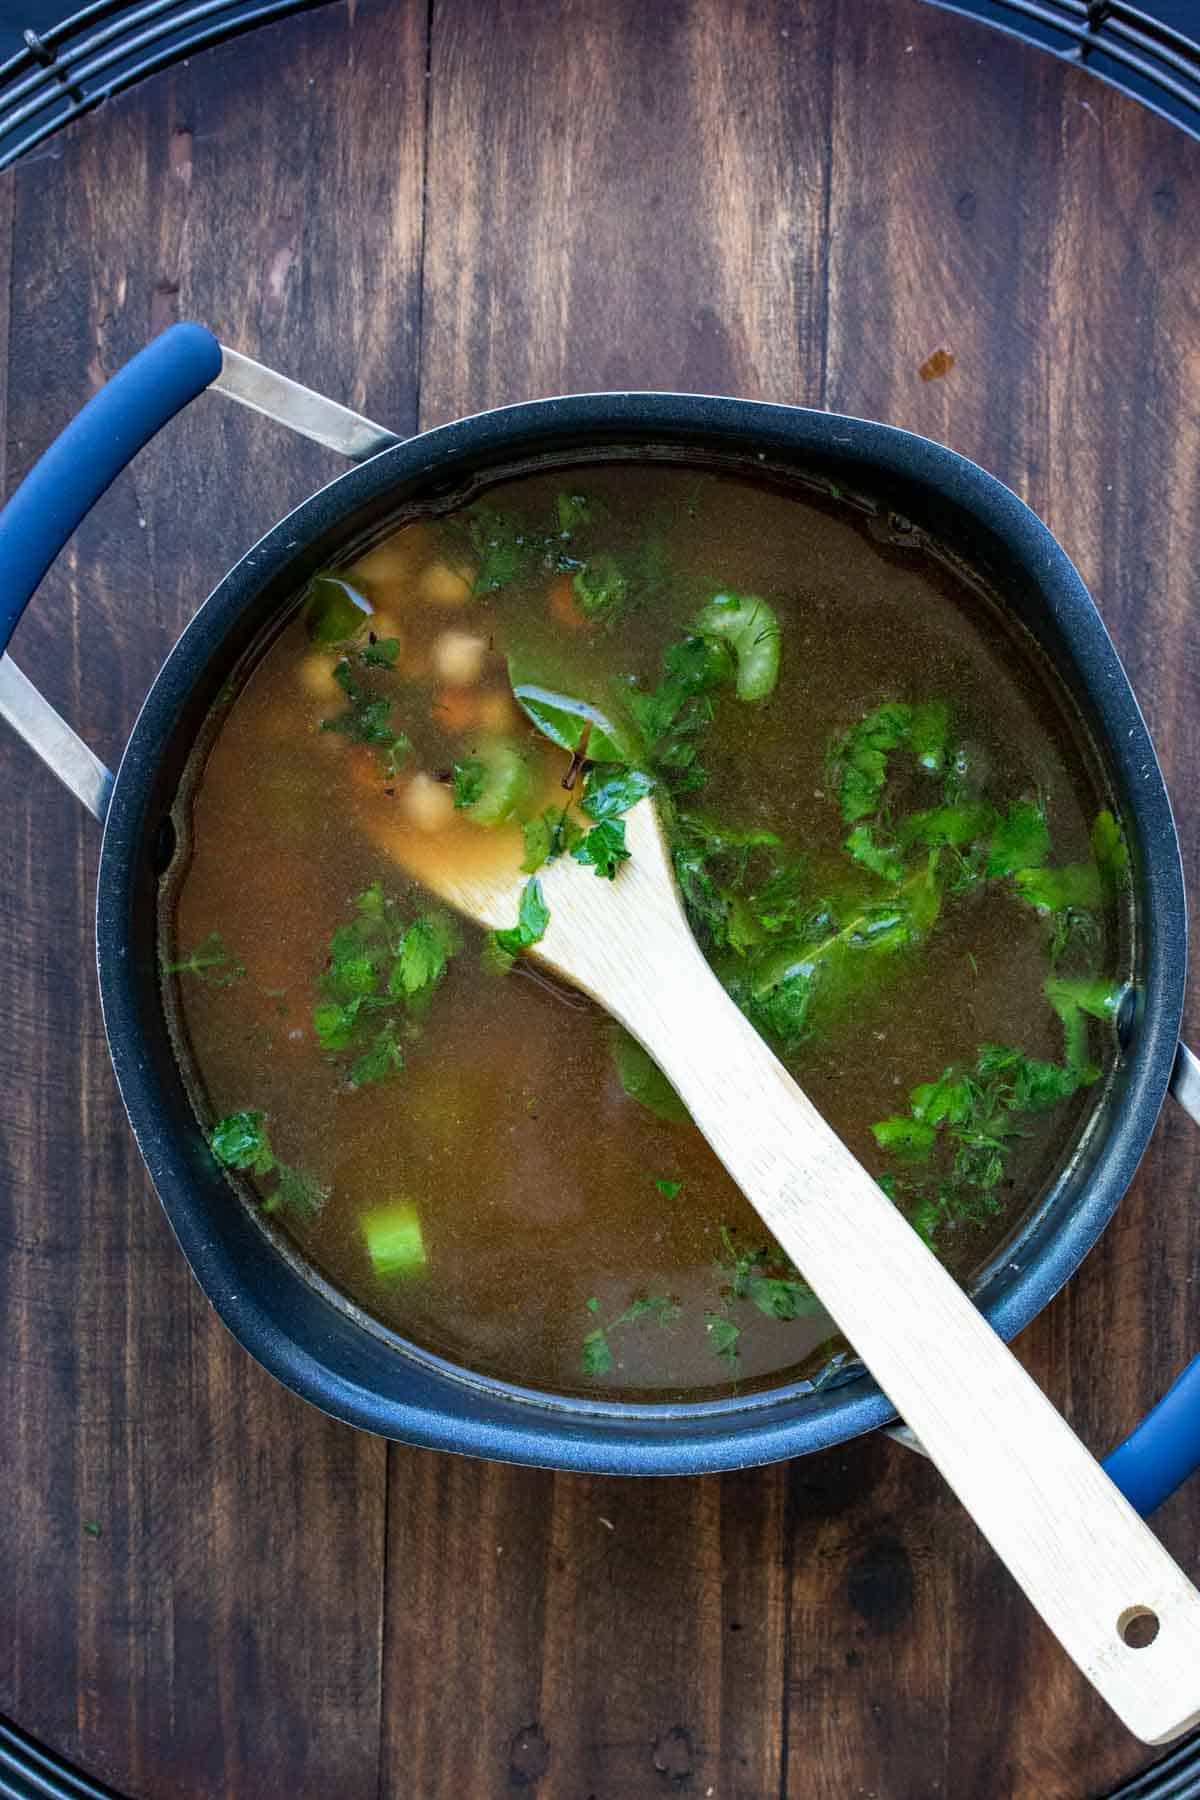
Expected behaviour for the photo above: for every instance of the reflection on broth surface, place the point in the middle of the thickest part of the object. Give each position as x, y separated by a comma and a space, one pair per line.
888, 842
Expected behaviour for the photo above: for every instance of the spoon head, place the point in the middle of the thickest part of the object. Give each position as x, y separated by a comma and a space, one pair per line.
477, 872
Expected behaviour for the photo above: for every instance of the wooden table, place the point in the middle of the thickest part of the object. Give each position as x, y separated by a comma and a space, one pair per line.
206, 1588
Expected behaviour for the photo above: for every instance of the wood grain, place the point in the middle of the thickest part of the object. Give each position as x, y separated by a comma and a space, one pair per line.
677, 194
220, 1633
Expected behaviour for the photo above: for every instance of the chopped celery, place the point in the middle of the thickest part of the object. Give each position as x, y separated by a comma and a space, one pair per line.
394, 1241
750, 628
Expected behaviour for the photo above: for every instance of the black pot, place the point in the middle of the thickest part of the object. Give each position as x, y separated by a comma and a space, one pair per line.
323, 1349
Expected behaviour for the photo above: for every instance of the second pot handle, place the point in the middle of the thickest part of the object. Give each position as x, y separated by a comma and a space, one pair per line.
1164, 1449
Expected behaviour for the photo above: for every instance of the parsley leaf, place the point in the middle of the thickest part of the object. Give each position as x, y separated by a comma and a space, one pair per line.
467, 777
367, 719
859, 758
603, 848
296, 1193
723, 1336
533, 916
212, 962
600, 586
610, 789
1020, 840
1074, 885
596, 1356
668, 1189
379, 963
643, 1080
548, 836
333, 611
240, 1141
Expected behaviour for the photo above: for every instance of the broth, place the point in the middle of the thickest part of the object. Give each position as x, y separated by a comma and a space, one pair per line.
890, 841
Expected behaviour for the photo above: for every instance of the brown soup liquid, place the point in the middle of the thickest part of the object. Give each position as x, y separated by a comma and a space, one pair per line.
550, 1255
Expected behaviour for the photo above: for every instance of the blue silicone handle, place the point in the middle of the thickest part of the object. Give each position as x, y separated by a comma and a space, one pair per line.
63, 486
1164, 1449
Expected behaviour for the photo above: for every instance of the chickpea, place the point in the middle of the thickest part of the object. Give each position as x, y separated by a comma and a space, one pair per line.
458, 658
443, 586
428, 804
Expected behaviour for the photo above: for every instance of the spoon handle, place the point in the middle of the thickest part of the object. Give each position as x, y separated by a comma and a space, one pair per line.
1087, 1562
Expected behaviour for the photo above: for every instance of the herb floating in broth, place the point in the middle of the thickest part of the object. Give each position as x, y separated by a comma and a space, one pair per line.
889, 844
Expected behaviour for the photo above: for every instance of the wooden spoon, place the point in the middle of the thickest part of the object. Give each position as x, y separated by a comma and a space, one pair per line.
1085, 1559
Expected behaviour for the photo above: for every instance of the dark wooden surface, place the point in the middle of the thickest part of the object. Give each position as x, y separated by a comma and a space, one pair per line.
425, 213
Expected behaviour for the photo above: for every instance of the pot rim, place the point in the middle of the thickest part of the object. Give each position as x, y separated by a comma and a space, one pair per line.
441, 1406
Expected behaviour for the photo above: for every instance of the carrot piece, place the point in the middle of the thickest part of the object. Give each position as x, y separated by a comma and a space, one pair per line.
455, 709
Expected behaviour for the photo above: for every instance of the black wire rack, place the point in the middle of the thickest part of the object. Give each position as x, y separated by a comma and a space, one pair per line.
71, 67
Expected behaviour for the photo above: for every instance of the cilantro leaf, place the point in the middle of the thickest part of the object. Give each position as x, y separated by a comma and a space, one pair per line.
240, 1141
533, 916
296, 1193
333, 611
723, 1336
383, 1058
425, 949
1110, 850
595, 1356
600, 586
910, 1139
883, 859
1021, 840
467, 778
380, 653
610, 789
367, 719
212, 962
603, 848
643, 1080
859, 758
548, 836
1054, 890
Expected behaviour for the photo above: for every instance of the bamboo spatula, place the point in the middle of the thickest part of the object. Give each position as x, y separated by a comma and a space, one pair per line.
1085, 1559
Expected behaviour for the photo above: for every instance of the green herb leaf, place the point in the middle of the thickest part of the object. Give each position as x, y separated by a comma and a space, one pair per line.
573, 510
1110, 850
668, 1189
859, 758
296, 1193
334, 612
212, 962
240, 1141
610, 789
910, 1139
600, 586
380, 653
563, 719
1053, 890
533, 916
643, 1080
595, 1355
425, 950
883, 859
603, 848
723, 1336
1021, 840
467, 778
384, 1057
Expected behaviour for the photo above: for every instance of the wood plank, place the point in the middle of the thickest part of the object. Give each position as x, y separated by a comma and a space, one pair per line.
646, 1651
1057, 285
220, 1633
